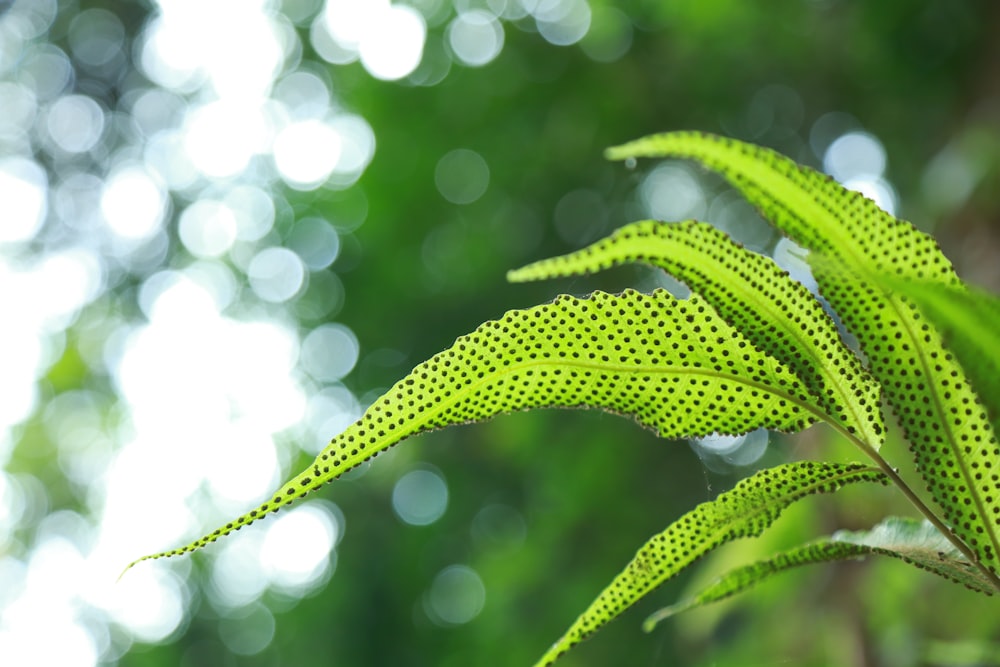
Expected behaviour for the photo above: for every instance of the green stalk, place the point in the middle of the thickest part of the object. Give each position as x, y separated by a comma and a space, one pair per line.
919, 504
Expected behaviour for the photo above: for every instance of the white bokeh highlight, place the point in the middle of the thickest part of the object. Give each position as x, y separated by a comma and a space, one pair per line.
23, 186
298, 546
306, 153
134, 203
89, 195
329, 352
387, 38
394, 48
207, 228
75, 123
276, 274
476, 37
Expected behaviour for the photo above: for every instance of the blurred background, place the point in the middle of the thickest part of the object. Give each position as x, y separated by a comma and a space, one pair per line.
226, 226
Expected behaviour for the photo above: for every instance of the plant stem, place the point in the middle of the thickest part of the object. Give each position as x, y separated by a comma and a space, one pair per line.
922, 507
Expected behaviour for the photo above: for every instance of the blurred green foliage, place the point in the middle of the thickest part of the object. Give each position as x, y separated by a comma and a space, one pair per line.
921, 76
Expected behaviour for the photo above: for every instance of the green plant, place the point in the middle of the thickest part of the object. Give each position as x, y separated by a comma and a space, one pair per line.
751, 348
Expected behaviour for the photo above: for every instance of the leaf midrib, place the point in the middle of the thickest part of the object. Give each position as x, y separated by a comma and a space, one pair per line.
871, 276
803, 343
971, 489
618, 253
721, 531
615, 368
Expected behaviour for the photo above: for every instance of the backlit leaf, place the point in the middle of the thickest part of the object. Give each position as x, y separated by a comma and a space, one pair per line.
969, 320
673, 365
745, 511
756, 296
951, 436
915, 542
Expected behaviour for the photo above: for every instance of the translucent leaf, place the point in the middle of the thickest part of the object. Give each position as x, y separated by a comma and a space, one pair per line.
915, 542
745, 511
673, 365
756, 296
951, 436
969, 319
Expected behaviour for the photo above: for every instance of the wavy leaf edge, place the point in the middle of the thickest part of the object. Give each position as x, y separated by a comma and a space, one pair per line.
916, 542
746, 510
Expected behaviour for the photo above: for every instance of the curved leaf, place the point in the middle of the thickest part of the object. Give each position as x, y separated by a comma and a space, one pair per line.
673, 365
915, 542
745, 511
969, 320
951, 436
755, 295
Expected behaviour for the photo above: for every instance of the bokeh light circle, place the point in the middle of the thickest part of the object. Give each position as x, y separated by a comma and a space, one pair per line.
316, 242
565, 22
462, 176
149, 603
207, 228
394, 49
672, 192
420, 497
456, 596
610, 35
23, 190
475, 37
133, 202
855, 155
96, 37
248, 632
329, 352
75, 123
276, 274
298, 545
306, 153
221, 137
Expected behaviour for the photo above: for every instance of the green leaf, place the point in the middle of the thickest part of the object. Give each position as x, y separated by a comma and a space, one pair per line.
673, 365
745, 511
916, 542
753, 294
951, 436
969, 320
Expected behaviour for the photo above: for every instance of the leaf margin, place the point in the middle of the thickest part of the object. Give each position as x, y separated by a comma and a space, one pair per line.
391, 418
640, 569
918, 538
824, 217
754, 295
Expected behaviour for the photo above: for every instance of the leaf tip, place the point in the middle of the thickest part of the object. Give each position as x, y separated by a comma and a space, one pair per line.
660, 615
616, 152
517, 275
129, 567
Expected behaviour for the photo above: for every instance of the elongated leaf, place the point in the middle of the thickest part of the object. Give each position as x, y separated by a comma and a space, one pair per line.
745, 511
951, 436
756, 296
969, 319
673, 365
915, 542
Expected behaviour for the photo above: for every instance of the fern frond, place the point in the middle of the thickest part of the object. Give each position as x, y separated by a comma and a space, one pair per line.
969, 320
673, 365
745, 511
916, 542
753, 294
951, 436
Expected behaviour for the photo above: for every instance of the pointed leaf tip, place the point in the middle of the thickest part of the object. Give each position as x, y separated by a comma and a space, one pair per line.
915, 542
672, 365
923, 383
745, 511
